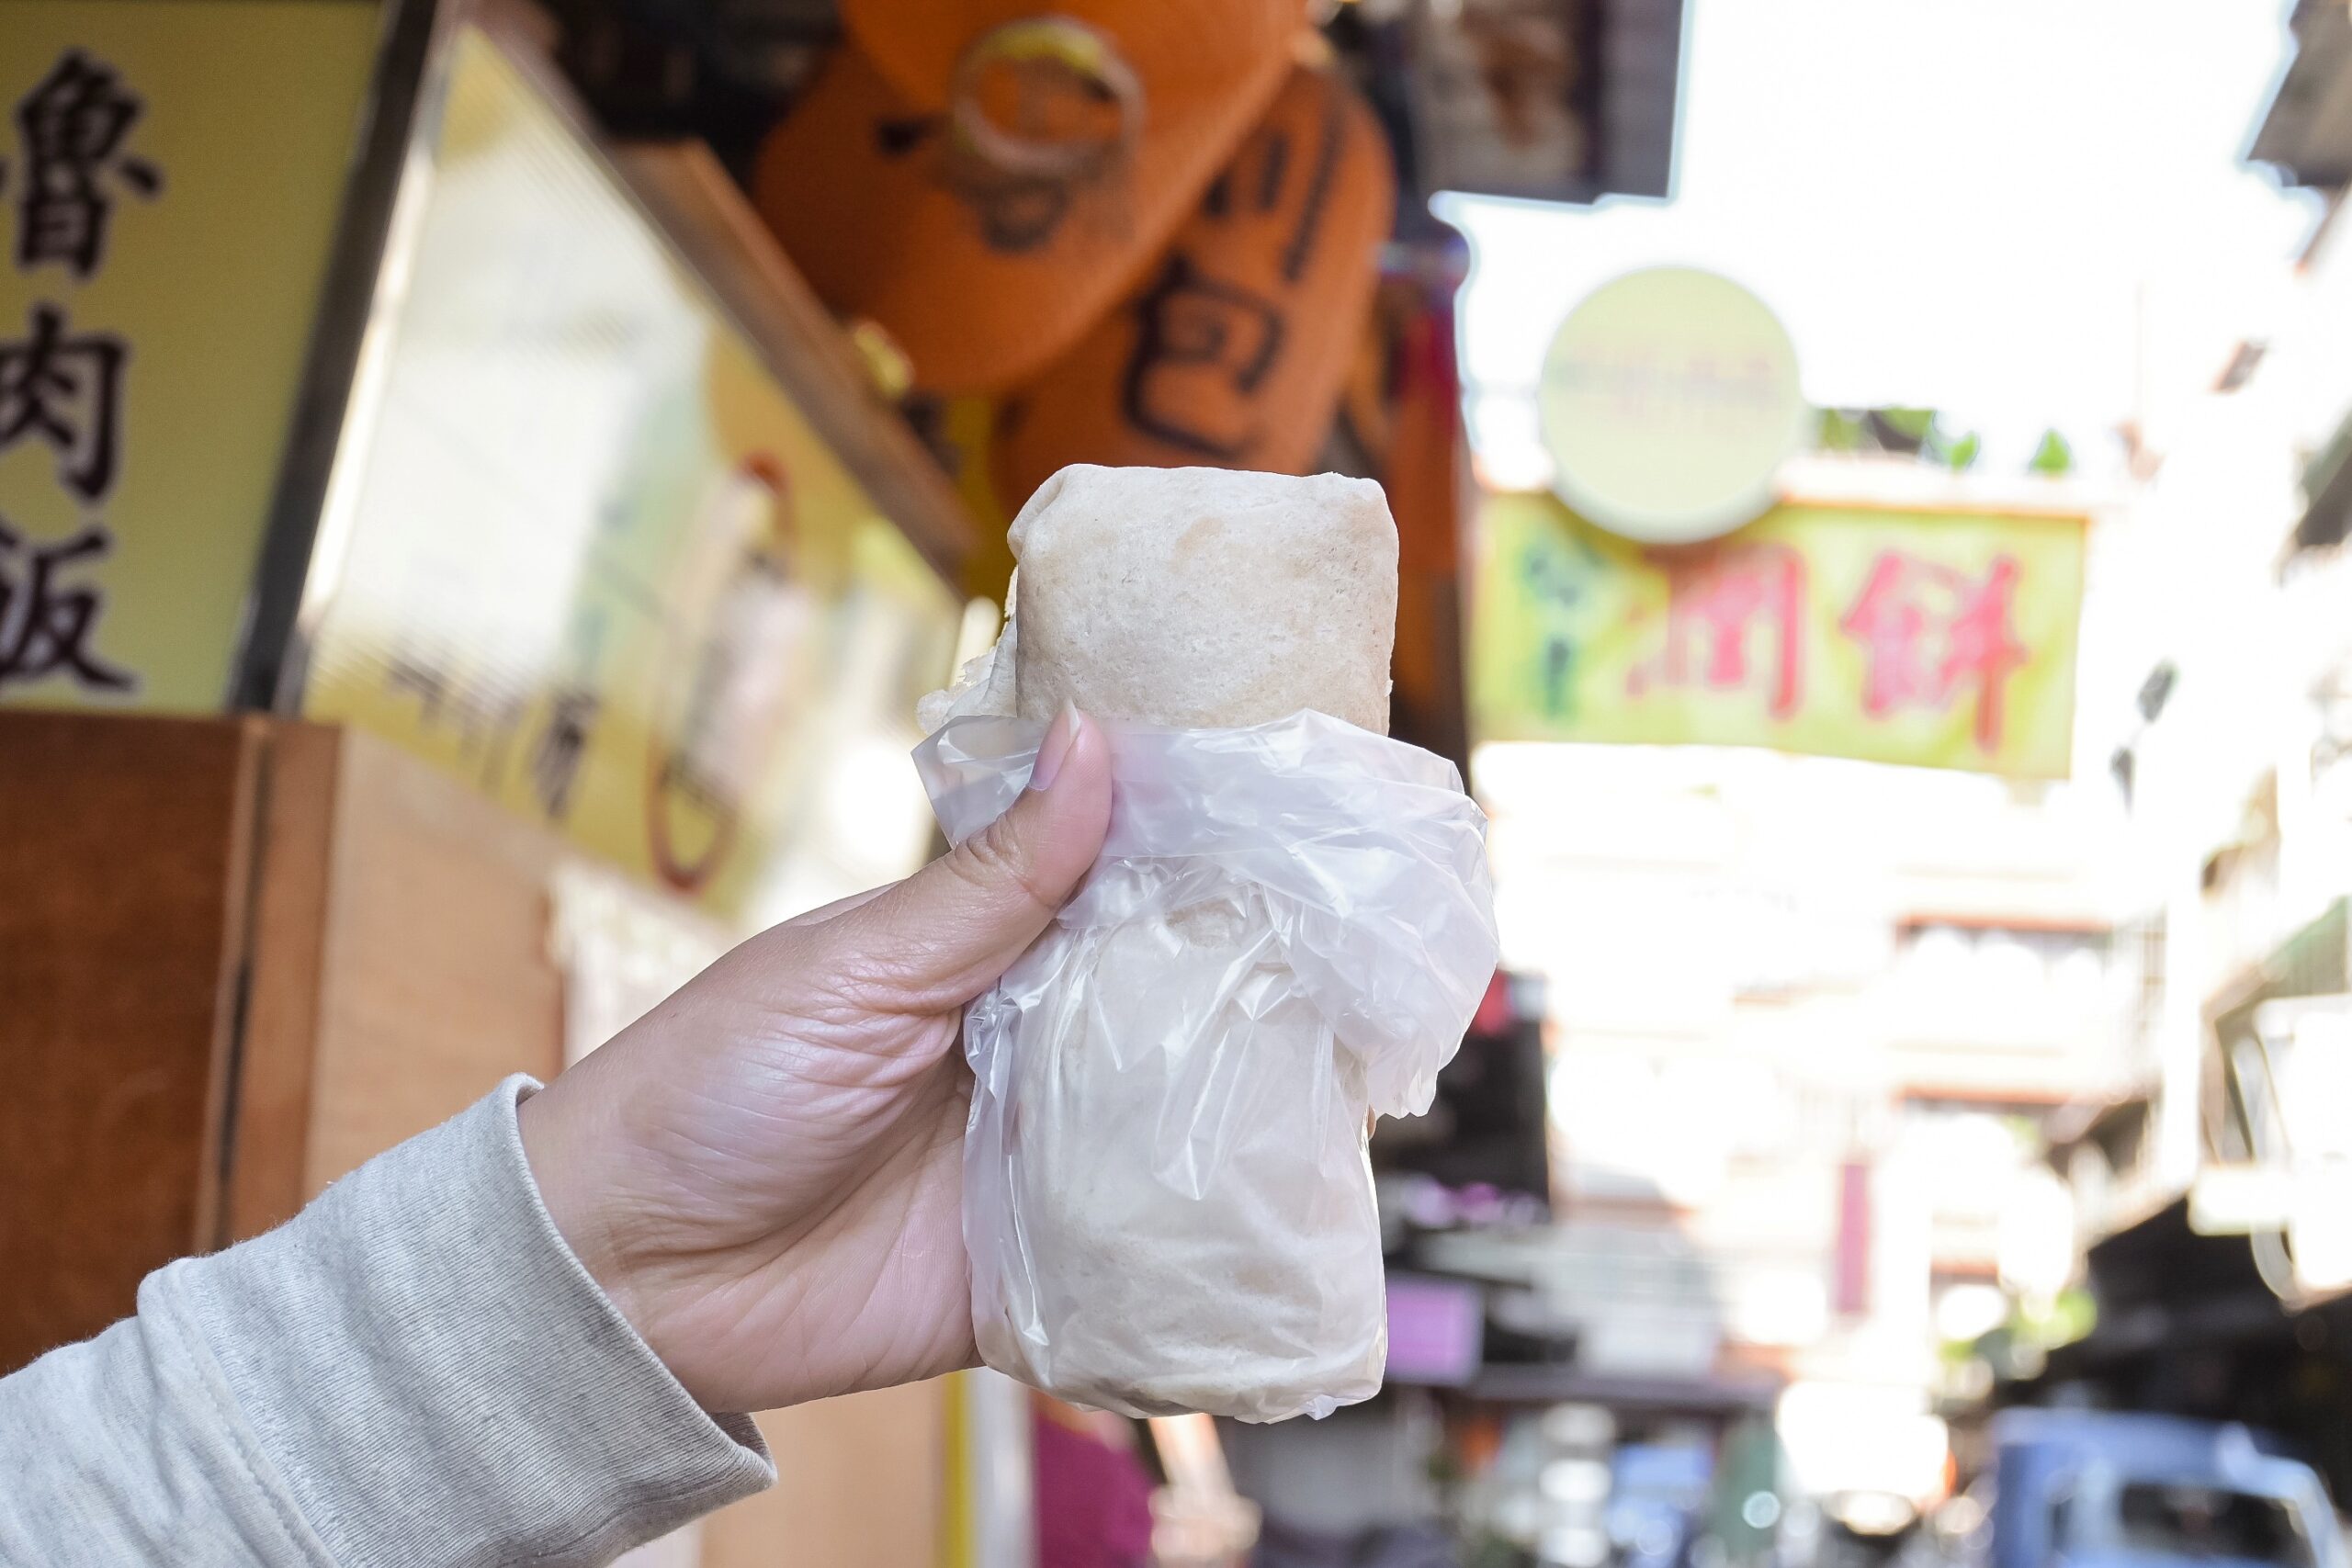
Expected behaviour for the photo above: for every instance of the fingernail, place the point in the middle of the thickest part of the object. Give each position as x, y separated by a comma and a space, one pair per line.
1058, 743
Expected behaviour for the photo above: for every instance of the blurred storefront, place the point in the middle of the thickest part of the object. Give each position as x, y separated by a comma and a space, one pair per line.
1804, 1019
2208, 1193
452, 581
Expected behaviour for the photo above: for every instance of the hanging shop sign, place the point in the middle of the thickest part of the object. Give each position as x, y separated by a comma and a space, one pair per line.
984, 182
584, 552
1542, 100
152, 152
1669, 402
1942, 639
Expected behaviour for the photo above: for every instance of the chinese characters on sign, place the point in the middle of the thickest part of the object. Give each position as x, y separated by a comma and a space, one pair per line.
1232, 347
65, 391
1715, 602
45, 619
72, 128
1205, 342
1943, 639
1216, 337
1935, 635
62, 386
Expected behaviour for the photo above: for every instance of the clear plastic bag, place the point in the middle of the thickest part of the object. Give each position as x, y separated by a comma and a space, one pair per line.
1166, 1196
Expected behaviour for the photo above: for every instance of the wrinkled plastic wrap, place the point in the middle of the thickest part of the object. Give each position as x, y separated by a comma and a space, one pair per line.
1167, 1199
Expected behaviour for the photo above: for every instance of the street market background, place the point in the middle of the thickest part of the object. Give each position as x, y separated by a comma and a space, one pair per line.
485, 483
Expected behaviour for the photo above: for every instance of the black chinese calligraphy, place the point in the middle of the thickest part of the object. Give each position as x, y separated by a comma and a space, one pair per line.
61, 389
46, 621
1232, 349
64, 389
74, 126
556, 755
1216, 338
481, 713
1208, 339
574, 705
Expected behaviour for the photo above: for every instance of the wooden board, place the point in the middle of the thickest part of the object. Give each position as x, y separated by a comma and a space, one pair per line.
124, 849
435, 979
270, 1114
382, 934
237, 958
400, 965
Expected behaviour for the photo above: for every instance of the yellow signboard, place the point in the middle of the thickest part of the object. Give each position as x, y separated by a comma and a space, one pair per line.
170, 175
583, 552
1943, 639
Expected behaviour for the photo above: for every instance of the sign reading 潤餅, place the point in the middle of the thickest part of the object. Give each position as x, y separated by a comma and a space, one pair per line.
1943, 639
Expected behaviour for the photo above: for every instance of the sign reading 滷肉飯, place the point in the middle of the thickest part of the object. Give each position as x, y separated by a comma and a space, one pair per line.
169, 179
1938, 638
61, 389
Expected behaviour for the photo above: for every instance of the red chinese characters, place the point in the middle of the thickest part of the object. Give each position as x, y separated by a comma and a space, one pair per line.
1932, 634
1735, 619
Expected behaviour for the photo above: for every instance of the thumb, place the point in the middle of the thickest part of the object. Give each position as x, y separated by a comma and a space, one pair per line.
944, 934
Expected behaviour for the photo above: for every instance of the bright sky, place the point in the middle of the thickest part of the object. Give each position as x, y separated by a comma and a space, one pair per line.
2015, 211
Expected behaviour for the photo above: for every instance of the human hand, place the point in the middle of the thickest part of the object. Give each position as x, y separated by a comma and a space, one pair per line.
766, 1172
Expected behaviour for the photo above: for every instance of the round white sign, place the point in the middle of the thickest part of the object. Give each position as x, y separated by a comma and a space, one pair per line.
1669, 402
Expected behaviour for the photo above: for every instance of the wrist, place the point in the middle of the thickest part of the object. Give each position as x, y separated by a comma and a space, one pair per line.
571, 1163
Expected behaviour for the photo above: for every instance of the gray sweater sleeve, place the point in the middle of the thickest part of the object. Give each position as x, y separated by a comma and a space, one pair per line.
414, 1370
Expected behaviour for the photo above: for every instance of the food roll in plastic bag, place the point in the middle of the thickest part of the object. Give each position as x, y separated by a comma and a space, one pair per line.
1167, 1199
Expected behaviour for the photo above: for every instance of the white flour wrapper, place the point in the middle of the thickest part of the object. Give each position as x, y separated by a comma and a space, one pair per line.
1166, 1197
